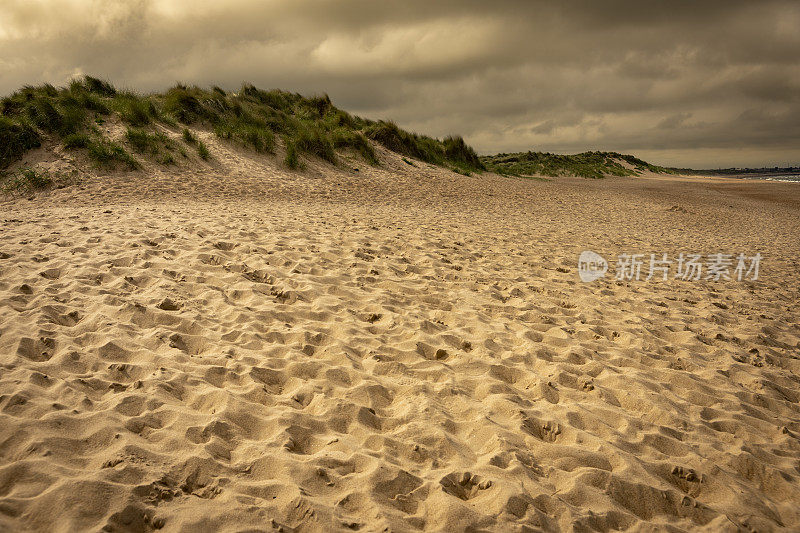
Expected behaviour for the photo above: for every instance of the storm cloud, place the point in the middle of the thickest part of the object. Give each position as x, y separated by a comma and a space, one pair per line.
685, 83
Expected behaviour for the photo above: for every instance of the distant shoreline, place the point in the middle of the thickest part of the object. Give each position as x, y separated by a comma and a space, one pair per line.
791, 174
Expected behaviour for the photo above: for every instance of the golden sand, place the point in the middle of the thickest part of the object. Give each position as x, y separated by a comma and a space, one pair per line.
237, 347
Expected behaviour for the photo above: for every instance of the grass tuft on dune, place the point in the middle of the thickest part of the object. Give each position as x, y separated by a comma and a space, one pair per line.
251, 117
586, 164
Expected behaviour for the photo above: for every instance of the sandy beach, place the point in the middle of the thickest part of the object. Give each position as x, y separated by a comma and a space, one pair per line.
238, 347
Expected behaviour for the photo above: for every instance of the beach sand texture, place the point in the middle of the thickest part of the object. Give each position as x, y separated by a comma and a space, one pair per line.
236, 347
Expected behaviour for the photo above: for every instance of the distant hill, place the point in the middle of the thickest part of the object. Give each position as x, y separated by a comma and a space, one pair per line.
586, 164
77, 115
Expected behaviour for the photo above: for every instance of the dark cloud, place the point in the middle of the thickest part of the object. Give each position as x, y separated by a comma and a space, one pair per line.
682, 82
672, 122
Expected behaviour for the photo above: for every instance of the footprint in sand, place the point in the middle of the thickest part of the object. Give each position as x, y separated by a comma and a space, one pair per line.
464, 485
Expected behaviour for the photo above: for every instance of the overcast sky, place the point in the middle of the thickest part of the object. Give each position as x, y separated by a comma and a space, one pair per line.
685, 83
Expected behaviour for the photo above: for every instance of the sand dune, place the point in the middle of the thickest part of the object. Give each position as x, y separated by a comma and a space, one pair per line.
237, 347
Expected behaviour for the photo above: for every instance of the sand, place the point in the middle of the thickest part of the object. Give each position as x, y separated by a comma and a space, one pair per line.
236, 347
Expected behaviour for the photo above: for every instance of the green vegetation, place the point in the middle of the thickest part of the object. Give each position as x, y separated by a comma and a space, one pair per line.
586, 164
142, 141
15, 139
191, 138
202, 150
344, 138
252, 117
134, 109
258, 137
77, 140
452, 152
156, 145
27, 179
311, 139
109, 153
291, 160
34, 113
188, 136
